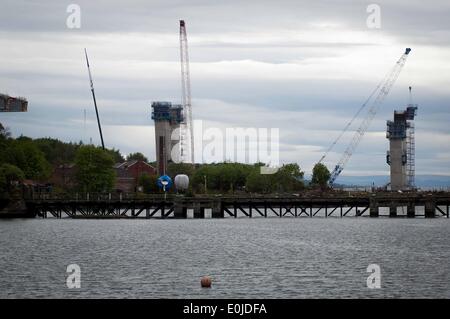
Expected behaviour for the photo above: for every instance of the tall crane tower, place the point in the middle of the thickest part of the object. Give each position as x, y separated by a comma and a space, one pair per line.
386, 86
186, 127
411, 147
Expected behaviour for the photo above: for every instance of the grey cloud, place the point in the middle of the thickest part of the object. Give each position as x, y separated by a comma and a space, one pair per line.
43, 59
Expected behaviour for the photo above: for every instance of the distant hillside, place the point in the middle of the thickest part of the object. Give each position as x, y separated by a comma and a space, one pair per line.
421, 180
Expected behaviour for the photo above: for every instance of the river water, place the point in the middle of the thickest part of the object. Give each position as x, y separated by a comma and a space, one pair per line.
247, 258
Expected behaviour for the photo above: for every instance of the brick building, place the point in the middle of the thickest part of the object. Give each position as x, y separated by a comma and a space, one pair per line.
127, 175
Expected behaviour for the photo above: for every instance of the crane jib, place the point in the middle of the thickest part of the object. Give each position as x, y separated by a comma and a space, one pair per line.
384, 91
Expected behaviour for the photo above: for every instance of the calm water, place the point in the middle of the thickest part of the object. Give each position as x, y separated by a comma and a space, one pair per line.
247, 258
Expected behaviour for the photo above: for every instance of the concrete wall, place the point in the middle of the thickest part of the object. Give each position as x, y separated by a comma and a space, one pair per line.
398, 169
11, 104
163, 133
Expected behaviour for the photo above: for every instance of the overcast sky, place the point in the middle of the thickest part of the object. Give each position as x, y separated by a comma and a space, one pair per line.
304, 67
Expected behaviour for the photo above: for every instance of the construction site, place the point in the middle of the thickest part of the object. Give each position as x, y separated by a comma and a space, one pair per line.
174, 143
174, 135
176, 119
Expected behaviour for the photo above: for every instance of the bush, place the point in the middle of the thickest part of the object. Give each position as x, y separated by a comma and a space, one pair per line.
148, 183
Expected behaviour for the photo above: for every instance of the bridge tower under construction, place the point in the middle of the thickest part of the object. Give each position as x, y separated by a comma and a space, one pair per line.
13, 104
167, 117
401, 153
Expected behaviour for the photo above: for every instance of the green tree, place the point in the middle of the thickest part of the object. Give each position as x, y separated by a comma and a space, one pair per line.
288, 178
94, 169
4, 143
174, 169
198, 179
57, 152
24, 154
137, 157
4, 132
9, 174
221, 177
233, 176
292, 170
116, 155
148, 183
321, 175
259, 183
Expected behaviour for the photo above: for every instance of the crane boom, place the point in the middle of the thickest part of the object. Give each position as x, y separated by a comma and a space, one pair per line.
384, 91
93, 96
186, 129
350, 122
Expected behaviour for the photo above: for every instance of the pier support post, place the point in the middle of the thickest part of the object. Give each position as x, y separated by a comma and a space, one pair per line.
199, 212
411, 210
373, 209
430, 210
217, 211
393, 210
179, 211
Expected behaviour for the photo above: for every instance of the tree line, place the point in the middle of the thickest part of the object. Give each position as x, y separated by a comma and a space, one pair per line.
24, 158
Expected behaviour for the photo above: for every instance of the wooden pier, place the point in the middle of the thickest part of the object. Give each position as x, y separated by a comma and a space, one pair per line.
411, 205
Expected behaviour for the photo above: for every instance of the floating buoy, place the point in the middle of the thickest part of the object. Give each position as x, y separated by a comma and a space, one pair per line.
206, 282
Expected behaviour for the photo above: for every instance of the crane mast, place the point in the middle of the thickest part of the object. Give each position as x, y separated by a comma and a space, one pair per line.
186, 127
384, 91
411, 147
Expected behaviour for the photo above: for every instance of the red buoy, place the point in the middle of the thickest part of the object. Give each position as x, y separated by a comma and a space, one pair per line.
206, 282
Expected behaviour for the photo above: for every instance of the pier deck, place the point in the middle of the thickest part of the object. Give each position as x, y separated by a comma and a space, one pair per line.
367, 204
